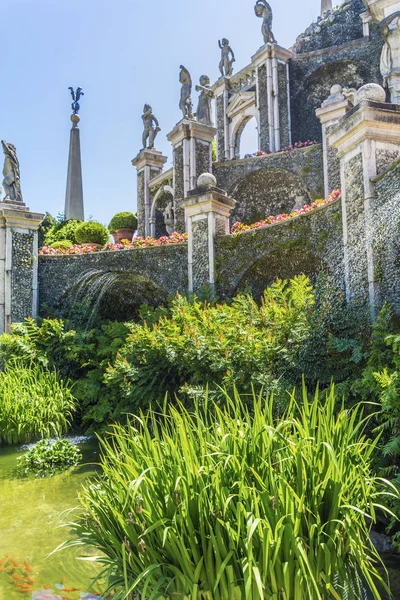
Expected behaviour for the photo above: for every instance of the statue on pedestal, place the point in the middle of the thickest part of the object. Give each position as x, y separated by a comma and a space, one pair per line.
185, 103
227, 58
169, 218
390, 57
203, 114
264, 11
11, 182
150, 131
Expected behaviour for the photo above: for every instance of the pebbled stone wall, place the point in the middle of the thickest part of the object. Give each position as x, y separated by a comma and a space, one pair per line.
308, 244
263, 108
22, 275
271, 184
200, 254
220, 126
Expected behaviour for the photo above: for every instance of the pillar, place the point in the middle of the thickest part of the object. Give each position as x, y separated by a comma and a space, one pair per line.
332, 110
207, 211
222, 97
367, 140
273, 96
192, 149
149, 163
74, 193
18, 263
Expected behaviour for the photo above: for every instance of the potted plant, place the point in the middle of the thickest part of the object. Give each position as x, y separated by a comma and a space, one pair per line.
122, 226
92, 233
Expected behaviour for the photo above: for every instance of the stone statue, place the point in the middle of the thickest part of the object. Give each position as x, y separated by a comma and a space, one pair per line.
150, 130
227, 58
264, 11
203, 114
76, 96
185, 103
390, 57
11, 181
169, 218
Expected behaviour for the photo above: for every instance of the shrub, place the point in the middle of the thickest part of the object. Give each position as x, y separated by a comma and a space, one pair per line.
34, 403
64, 244
47, 458
123, 220
63, 230
92, 232
46, 225
224, 504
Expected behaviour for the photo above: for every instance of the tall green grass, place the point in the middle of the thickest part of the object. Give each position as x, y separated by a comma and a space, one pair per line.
228, 503
34, 403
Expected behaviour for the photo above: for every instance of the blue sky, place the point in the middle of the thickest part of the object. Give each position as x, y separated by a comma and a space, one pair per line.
123, 53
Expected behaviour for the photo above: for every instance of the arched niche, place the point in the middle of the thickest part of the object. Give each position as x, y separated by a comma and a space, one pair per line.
268, 192
162, 198
241, 110
316, 88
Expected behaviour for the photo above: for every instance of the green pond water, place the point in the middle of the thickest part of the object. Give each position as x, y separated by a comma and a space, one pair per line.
31, 515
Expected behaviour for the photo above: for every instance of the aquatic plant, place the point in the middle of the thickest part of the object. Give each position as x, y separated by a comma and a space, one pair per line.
239, 227
48, 457
228, 502
34, 403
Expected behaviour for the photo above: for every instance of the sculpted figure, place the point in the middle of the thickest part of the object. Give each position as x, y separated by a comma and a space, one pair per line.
151, 126
169, 218
185, 103
390, 57
11, 181
227, 58
76, 96
264, 11
203, 114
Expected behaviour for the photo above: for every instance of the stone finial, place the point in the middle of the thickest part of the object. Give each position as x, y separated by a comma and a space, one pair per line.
335, 96
206, 181
372, 92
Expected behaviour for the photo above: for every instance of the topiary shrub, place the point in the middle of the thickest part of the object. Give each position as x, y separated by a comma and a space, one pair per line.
92, 232
64, 244
123, 220
63, 230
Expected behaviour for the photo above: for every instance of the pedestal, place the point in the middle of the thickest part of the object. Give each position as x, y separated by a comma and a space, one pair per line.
368, 141
332, 110
148, 163
207, 212
192, 149
18, 263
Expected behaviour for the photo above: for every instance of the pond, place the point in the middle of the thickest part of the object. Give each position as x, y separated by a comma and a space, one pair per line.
31, 515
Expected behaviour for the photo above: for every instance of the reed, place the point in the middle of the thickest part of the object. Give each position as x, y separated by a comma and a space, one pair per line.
230, 503
34, 403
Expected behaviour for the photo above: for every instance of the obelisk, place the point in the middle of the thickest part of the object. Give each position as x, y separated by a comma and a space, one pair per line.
325, 6
74, 193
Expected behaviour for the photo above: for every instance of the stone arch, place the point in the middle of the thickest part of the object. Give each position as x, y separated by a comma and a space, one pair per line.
162, 197
238, 129
109, 295
241, 110
316, 88
283, 262
269, 191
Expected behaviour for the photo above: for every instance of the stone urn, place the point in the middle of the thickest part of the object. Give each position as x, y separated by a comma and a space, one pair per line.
124, 233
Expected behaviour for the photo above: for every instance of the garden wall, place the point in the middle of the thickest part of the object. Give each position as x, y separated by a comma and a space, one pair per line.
309, 244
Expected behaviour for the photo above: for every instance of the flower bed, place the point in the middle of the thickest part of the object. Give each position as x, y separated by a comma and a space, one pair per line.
138, 242
240, 227
295, 146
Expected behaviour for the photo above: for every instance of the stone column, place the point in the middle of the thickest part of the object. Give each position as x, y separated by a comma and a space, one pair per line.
74, 192
368, 141
192, 148
207, 211
273, 95
18, 263
149, 163
222, 96
330, 113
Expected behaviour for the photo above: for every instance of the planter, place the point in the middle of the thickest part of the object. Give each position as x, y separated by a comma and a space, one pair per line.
123, 234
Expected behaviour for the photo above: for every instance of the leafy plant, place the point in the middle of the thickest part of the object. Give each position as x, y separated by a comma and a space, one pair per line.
123, 220
47, 458
62, 230
46, 225
34, 403
92, 232
227, 502
64, 244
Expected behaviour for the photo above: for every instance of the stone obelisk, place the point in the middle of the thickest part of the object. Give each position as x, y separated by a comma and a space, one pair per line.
74, 194
325, 6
